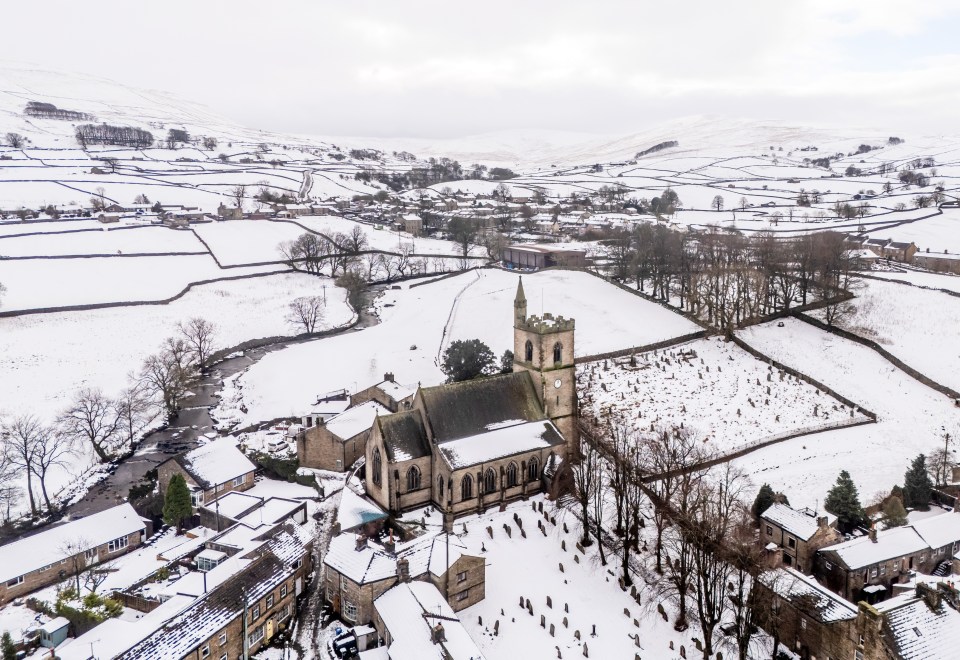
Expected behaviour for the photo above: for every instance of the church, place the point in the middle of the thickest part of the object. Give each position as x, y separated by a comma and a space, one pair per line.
466, 446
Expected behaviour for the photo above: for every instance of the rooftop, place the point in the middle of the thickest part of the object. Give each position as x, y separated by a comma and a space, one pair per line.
919, 631
890, 544
354, 421
801, 523
497, 443
799, 588
216, 462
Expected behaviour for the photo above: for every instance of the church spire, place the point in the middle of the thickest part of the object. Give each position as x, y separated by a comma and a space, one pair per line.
519, 305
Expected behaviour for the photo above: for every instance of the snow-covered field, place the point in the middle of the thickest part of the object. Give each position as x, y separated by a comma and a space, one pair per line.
921, 278
139, 240
247, 241
728, 398
418, 323
911, 417
917, 325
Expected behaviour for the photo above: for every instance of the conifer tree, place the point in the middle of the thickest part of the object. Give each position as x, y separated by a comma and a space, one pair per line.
765, 499
7, 647
917, 486
894, 515
843, 501
176, 503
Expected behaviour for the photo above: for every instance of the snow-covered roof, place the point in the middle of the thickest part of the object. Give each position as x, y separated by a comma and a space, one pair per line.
939, 531
51, 546
234, 504
372, 563
890, 544
919, 631
216, 463
355, 421
271, 512
410, 611
499, 442
355, 511
793, 585
395, 390
800, 523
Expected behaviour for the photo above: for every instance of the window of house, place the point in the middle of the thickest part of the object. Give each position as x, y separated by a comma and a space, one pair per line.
792, 543
15, 581
923, 557
466, 487
463, 595
462, 576
196, 497
489, 481
377, 466
896, 566
512, 475
413, 478
283, 590
238, 481
883, 569
284, 612
873, 572
827, 565
255, 612
205, 651
803, 624
222, 639
269, 601
858, 654
118, 544
343, 582
769, 530
255, 635
298, 563
533, 469
349, 611
223, 657
788, 560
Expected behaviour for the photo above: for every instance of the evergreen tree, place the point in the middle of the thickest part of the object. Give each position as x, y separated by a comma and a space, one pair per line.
765, 499
506, 362
917, 486
176, 503
843, 501
894, 515
8, 648
467, 359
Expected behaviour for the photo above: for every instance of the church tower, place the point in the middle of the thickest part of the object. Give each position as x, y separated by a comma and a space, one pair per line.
544, 347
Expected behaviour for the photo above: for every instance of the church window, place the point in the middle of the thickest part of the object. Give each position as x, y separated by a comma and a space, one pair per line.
557, 353
413, 478
466, 487
511, 475
533, 469
489, 481
440, 488
377, 466
528, 351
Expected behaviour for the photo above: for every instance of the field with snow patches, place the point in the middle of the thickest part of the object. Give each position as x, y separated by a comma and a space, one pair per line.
418, 323
911, 417
728, 398
917, 325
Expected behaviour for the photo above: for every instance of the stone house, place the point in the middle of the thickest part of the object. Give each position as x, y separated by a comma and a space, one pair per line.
62, 550
336, 443
388, 393
797, 534
921, 624
357, 571
250, 510
940, 262
229, 212
209, 470
899, 251
468, 445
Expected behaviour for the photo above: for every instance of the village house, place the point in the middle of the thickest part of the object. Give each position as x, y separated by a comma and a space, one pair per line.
797, 534
357, 571
229, 212
251, 510
338, 442
62, 550
416, 621
388, 393
899, 251
468, 445
940, 262
535, 257
922, 624
209, 470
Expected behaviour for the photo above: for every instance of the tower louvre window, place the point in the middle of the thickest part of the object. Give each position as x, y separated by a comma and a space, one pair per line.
557, 353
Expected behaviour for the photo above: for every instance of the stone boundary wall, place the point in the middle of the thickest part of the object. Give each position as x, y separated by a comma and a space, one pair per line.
666, 343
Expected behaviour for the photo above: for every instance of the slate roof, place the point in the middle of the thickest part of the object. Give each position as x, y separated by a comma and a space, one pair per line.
215, 463
404, 435
890, 544
809, 595
499, 443
457, 410
919, 632
799, 523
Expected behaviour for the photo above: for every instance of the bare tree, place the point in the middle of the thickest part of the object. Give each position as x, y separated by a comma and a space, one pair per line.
48, 448
200, 335
20, 449
3, 290
308, 252
141, 199
209, 143
133, 411
10, 492
238, 193
307, 312
167, 375
92, 419
717, 202
15, 140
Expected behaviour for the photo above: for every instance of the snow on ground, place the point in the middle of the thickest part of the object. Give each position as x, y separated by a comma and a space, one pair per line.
417, 323
140, 240
382, 239
917, 325
911, 417
937, 233
40, 283
247, 241
722, 393
922, 278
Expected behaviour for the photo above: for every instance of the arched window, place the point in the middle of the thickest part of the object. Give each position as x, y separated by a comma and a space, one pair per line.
489, 481
413, 478
557, 353
512, 475
533, 469
440, 488
466, 487
528, 351
377, 466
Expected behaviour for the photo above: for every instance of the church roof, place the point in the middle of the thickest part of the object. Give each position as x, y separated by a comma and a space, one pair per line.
404, 436
471, 407
499, 443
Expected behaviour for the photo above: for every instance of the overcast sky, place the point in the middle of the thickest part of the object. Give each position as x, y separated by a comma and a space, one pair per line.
442, 69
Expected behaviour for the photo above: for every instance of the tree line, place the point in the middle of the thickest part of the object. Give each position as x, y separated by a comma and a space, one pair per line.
123, 136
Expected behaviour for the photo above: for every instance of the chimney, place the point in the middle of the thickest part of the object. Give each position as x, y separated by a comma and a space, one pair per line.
361, 542
948, 590
438, 634
929, 594
873, 533
403, 570
388, 376
390, 545
822, 522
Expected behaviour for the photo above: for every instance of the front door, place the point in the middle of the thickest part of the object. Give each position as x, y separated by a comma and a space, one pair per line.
299, 586
269, 629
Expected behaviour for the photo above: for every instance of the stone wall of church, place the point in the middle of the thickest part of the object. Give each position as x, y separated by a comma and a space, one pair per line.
403, 498
500, 492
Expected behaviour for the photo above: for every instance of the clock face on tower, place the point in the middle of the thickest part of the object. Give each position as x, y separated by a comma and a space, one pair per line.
557, 383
